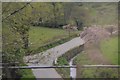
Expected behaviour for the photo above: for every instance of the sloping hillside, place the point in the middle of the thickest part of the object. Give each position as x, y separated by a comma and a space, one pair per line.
102, 13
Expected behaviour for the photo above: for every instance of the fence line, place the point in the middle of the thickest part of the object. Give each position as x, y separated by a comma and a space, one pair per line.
109, 66
74, 66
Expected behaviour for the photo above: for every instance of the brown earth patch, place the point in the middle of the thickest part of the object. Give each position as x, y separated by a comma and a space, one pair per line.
92, 37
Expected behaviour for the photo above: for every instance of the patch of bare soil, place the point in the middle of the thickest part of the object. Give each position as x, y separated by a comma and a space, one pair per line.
92, 36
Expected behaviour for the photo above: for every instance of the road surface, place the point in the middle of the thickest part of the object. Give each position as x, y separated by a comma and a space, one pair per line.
47, 57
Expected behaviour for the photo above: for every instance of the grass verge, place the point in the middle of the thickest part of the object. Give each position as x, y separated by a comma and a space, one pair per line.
26, 74
109, 49
64, 72
82, 59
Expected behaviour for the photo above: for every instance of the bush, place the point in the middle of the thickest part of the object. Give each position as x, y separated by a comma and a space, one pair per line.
62, 61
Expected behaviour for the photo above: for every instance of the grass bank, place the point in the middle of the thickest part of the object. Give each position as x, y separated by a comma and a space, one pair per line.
109, 49
64, 72
27, 74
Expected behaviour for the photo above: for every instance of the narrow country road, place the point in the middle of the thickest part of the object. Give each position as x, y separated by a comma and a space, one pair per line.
47, 57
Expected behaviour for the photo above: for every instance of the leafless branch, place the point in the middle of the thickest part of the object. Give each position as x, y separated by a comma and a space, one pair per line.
16, 11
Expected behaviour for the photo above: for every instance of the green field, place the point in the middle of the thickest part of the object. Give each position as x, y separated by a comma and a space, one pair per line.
41, 35
82, 59
109, 49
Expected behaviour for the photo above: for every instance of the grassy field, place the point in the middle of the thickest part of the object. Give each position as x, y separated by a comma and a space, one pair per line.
82, 59
109, 49
41, 35
42, 38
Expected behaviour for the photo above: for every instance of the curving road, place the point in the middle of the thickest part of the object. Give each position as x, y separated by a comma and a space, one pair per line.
46, 58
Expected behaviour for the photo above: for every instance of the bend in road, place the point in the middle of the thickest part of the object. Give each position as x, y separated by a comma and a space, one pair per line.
47, 57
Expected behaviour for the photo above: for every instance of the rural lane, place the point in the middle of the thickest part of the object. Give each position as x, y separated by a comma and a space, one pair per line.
47, 58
